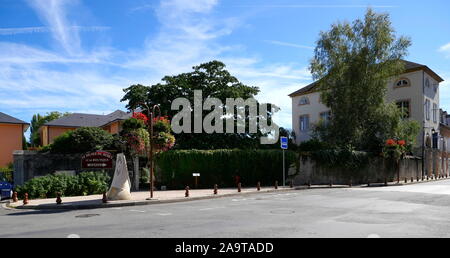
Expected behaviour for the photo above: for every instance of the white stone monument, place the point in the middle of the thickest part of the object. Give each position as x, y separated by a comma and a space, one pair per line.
120, 187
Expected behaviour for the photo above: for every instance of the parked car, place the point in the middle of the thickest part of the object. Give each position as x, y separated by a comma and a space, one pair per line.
6, 188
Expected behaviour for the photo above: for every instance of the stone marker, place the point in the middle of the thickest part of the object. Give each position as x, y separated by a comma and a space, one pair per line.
120, 187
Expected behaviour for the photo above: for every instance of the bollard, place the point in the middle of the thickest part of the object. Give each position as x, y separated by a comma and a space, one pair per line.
291, 184
258, 186
350, 184
215, 189
368, 183
412, 179
25, 199
187, 192
331, 184
385, 182
276, 185
309, 184
58, 198
104, 199
239, 188
406, 180
417, 179
15, 199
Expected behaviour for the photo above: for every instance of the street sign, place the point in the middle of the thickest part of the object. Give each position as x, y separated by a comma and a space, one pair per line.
97, 160
284, 143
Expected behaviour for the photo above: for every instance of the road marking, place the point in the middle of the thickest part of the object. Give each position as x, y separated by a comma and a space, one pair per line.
373, 236
211, 208
137, 211
164, 214
73, 236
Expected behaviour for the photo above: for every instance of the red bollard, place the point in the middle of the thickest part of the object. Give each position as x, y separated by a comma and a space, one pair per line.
58, 198
187, 192
258, 186
104, 199
14, 197
276, 185
215, 189
239, 187
25, 199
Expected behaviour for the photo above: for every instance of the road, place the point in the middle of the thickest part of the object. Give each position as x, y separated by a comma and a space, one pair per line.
419, 210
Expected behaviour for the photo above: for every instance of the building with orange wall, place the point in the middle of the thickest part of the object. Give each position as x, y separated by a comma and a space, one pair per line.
11, 137
111, 123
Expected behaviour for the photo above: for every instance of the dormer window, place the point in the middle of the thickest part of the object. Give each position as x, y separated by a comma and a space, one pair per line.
304, 101
427, 83
403, 83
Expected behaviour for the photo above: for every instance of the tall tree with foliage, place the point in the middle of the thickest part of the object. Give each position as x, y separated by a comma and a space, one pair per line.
39, 120
352, 65
215, 82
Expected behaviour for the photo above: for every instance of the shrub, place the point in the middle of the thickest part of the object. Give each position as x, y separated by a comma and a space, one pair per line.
86, 183
7, 172
221, 166
84, 139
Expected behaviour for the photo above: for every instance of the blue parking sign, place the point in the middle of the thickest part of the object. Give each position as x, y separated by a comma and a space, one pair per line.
284, 143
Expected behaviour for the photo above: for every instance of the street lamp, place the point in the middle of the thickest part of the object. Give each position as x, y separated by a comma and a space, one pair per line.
151, 115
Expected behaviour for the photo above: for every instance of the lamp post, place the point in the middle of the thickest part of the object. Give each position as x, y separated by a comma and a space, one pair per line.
150, 115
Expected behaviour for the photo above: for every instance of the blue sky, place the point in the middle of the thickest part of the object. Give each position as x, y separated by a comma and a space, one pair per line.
78, 55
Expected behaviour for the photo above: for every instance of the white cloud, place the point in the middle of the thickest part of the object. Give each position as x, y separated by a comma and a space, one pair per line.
188, 35
28, 30
445, 49
286, 44
53, 13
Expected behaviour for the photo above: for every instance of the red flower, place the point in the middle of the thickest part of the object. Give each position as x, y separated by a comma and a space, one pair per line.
402, 142
140, 116
391, 142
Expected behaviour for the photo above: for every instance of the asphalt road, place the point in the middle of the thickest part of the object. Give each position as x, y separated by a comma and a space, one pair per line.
420, 210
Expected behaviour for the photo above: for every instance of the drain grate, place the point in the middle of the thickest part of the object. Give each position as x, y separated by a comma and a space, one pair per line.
87, 215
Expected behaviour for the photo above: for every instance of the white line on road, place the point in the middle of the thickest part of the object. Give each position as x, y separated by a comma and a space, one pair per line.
164, 214
137, 211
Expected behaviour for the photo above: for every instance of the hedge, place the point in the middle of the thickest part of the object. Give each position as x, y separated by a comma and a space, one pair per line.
86, 183
220, 167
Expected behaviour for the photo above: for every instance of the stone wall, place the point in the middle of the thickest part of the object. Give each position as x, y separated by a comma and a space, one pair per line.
376, 171
31, 164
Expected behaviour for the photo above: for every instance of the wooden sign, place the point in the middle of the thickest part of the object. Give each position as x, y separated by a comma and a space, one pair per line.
97, 160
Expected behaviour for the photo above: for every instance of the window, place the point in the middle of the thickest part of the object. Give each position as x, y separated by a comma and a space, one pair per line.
304, 123
325, 117
405, 107
304, 101
427, 109
427, 83
435, 109
402, 83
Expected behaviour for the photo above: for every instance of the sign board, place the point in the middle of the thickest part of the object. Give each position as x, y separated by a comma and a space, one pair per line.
196, 174
97, 160
284, 143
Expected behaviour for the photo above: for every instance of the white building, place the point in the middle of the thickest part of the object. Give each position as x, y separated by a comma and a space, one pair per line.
416, 90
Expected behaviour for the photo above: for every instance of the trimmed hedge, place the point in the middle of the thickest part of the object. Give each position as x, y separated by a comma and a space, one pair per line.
86, 183
221, 166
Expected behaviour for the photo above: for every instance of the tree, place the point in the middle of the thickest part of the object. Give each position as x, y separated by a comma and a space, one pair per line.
215, 82
352, 65
37, 121
81, 140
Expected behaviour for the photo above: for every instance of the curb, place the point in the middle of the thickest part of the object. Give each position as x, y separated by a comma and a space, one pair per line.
134, 203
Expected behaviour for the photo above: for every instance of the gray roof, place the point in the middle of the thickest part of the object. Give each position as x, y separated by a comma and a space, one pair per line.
409, 66
89, 120
6, 119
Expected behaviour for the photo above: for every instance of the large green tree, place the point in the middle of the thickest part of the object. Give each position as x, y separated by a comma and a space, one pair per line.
352, 65
215, 82
39, 120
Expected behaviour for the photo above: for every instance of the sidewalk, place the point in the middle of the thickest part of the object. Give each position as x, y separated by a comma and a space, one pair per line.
138, 198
